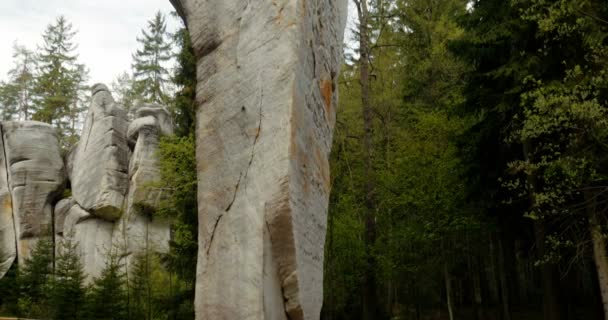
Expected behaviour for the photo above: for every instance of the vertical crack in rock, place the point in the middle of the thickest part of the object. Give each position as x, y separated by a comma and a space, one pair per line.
89, 134
255, 141
217, 222
236, 190
8, 263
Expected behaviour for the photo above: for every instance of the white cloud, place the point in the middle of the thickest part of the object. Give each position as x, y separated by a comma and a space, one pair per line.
107, 30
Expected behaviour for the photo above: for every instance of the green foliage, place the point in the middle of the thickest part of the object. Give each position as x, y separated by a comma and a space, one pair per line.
35, 280
140, 296
149, 73
184, 103
67, 296
107, 297
15, 95
9, 293
123, 89
179, 184
60, 80
416, 86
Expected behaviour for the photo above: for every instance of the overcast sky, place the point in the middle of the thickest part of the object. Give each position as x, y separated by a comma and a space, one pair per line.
107, 30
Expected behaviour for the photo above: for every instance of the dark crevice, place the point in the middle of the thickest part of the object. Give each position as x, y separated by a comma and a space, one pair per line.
236, 189
89, 133
17, 160
217, 222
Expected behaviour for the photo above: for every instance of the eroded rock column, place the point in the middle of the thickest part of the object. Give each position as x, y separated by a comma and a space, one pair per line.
98, 167
267, 78
8, 243
36, 176
139, 231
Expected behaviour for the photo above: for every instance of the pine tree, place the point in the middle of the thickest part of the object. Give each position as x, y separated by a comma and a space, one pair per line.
140, 290
35, 280
15, 95
108, 298
123, 88
68, 290
8, 101
9, 292
149, 73
184, 103
60, 78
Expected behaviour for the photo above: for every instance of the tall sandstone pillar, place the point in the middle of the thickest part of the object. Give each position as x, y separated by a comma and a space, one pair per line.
267, 78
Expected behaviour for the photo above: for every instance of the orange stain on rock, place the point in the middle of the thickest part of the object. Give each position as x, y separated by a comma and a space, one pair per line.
327, 91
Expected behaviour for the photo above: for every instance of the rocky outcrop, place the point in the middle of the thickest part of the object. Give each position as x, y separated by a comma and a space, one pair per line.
8, 248
137, 230
267, 78
99, 169
93, 236
112, 170
36, 177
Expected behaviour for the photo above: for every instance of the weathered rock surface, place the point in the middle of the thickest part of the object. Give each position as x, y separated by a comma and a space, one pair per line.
93, 236
36, 178
267, 73
107, 178
137, 230
62, 209
100, 162
8, 244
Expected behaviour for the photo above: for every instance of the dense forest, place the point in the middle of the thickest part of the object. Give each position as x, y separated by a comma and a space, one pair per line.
469, 163
469, 166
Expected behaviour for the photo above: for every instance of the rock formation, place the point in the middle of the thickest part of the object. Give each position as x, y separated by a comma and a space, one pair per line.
108, 179
100, 161
36, 177
8, 247
267, 78
136, 231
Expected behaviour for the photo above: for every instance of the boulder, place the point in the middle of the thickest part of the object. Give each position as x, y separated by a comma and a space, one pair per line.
99, 177
36, 178
8, 240
267, 79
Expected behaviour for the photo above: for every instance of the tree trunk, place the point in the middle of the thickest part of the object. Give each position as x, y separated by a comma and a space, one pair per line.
599, 249
504, 284
548, 276
448, 290
370, 303
477, 297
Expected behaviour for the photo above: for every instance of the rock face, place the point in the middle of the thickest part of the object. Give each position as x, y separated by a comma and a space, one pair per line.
136, 230
100, 161
8, 246
267, 78
107, 178
36, 177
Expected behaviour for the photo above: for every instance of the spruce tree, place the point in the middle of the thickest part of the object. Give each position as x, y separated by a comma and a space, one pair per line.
8, 101
123, 88
68, 290
151, 77
9, 292
185, 79
60, 78
34, 280
16, 94
108, 297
